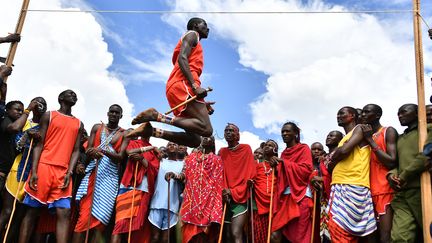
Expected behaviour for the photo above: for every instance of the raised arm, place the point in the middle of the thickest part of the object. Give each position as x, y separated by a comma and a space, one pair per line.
340, 153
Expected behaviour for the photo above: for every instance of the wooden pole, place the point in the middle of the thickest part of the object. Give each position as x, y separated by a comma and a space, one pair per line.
13, 47
222, 223
17, 191
425, 177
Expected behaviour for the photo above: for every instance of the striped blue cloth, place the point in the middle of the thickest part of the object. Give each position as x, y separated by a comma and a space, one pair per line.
106, 185
352, 209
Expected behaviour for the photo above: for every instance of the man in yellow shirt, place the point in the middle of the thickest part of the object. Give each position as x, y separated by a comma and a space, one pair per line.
351, 208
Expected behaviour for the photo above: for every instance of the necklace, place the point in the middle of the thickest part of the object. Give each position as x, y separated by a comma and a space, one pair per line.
266, 173
233, 148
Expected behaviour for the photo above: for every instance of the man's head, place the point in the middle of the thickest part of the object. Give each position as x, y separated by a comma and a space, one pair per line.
41, 107
14, 109
172, 149
270, 149
317, 150
208, 143
115, 113
163, 152
181, 152
259, 153
407, 114
359, 115
371, 114
333, 138
68, 97
429, 113
199, 25
290, 133
232, 133
346, 115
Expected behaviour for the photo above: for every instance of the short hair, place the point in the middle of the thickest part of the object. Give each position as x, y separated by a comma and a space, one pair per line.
13, 102
351, 110
376, 108
192, 22
116, 105
414, 106
62, 94
296, 128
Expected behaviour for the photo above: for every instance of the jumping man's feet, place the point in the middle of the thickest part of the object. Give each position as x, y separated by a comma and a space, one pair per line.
144, 130
146, 116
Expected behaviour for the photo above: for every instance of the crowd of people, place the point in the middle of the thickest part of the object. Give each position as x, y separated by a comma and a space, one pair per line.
60, 184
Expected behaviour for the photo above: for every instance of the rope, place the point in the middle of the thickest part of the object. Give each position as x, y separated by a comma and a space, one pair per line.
390, 11
424, 21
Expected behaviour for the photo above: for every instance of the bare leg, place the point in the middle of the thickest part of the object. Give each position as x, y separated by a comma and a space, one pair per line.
197, 121
77, 237
385, 225
28, 224
116, 238
7, 210
165, 235
237, 225
155, 234
62, 227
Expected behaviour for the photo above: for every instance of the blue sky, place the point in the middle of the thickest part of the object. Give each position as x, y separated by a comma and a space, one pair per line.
265, 69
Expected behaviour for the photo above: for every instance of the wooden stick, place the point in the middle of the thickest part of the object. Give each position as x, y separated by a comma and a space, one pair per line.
17, 191
252, 220
91, 204
425, 177
271, 208
209, 89
13, 47
222, 223
169, 183
313, 215
132, 203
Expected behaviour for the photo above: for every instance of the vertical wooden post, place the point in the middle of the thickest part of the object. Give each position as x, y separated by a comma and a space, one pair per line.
13, 47
425, 177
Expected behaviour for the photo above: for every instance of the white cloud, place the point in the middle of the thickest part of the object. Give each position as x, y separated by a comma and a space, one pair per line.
60, 51
316, 63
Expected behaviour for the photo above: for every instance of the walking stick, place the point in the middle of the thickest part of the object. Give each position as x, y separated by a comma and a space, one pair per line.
271, 207
209, 89
314, 215
169, 181
132, 203
222, 224
252, 214
18, 30
91, 204
17, 191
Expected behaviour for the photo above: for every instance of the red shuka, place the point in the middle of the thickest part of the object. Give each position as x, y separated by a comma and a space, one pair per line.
239, 166
294, 172
262, 186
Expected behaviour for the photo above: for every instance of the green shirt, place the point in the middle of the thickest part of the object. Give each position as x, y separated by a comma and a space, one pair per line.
411, 162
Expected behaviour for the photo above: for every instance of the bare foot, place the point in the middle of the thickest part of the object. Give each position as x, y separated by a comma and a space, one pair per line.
144, 130
146, 116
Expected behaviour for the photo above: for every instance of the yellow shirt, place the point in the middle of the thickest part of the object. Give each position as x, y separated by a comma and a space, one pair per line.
354, 169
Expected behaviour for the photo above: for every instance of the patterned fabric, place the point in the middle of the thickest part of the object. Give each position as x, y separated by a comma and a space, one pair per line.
324, 218
352, 209
23, 143
260, 222
203, 192
106, 186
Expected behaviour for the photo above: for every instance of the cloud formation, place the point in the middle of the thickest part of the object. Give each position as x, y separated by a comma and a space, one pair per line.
61, 51
316, 63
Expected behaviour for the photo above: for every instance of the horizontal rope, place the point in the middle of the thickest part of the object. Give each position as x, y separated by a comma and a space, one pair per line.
216, 12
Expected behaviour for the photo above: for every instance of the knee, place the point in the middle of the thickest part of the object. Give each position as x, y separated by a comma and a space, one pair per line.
276, 237
63, 213
237, 233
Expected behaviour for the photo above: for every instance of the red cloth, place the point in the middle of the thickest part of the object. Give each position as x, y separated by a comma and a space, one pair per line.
47, 222
189, 231
178, 88
262, 186
294, 172
151, 171
239, 166
202, 196
140, 225
60, 139
326, 176
378, 172
339, 235
260, 222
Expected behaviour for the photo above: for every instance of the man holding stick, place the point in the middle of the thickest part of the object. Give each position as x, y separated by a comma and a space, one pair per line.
183, 84
54, 159
98, 189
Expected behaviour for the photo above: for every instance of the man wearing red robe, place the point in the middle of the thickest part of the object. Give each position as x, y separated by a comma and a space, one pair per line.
139, 179
239, 166
292, 203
